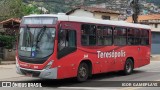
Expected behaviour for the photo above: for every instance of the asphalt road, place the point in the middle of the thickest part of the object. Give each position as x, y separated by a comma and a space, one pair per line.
104, 81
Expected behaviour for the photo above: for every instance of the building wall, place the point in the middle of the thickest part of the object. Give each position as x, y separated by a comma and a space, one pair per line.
155, 38
99, 15
9, 55
155, 43
82, 13
153, 27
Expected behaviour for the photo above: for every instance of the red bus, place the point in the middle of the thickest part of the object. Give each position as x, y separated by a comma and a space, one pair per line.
62, 46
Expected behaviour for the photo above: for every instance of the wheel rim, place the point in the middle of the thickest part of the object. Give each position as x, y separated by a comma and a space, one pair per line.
128, 67
82, 72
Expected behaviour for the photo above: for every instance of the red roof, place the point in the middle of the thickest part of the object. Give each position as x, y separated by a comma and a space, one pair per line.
94, 9
17, 20
145, 17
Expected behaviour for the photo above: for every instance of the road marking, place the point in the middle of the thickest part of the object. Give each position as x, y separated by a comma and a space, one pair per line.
152, 71
87, 88
131, 88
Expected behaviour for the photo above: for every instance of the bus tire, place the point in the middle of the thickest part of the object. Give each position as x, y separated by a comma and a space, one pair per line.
128, 68
83, 72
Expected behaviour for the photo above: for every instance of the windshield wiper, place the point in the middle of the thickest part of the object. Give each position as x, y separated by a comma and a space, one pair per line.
40, 35
28, 37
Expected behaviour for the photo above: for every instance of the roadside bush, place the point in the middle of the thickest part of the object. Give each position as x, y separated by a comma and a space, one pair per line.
6, 41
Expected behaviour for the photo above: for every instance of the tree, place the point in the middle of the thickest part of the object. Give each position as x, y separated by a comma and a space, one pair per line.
16, 9
10, 8
136, 10
27, 9
6, 41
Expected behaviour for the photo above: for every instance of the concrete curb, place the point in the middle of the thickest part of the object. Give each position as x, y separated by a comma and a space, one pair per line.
7, 62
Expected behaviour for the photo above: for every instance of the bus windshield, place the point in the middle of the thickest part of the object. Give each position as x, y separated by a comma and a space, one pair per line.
36, 42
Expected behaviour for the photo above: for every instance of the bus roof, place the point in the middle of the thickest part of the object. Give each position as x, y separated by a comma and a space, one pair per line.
63, 17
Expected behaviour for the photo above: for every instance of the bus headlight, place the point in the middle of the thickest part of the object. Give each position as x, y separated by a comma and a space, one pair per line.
48, 66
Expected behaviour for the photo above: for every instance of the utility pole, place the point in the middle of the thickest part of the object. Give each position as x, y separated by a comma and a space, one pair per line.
136, 10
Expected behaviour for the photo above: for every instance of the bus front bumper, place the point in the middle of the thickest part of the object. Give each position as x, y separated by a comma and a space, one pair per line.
45, 73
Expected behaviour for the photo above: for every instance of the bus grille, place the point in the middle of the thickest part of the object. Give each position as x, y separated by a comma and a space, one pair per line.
32, 73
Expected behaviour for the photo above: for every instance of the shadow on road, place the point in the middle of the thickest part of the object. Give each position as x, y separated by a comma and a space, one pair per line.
94, 81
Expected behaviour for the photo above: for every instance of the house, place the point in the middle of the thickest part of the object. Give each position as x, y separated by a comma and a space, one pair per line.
9, 27
94, 12
153, 21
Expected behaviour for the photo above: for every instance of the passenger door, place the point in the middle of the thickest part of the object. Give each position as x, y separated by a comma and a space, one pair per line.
66, 42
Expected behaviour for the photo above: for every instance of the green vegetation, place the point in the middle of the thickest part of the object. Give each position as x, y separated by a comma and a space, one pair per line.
29, 9
7, 41
16, 9
56, 6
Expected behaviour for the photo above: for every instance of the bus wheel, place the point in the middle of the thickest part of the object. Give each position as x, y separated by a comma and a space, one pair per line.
83, 72
128, 68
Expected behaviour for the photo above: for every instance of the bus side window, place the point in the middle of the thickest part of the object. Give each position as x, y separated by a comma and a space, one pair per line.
104, 35
130, 36
137, 37
120, 35
88, 34
133, 36
72, 38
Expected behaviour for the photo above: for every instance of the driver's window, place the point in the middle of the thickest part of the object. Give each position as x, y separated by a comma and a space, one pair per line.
67, 38
62, 39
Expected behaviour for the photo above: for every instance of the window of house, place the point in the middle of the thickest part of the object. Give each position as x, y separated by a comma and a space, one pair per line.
104, 35
120, 35
106, 17
156, 25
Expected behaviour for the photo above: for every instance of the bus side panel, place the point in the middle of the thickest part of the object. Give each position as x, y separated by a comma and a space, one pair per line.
67, 66
133, 52
129, 52
146, 55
